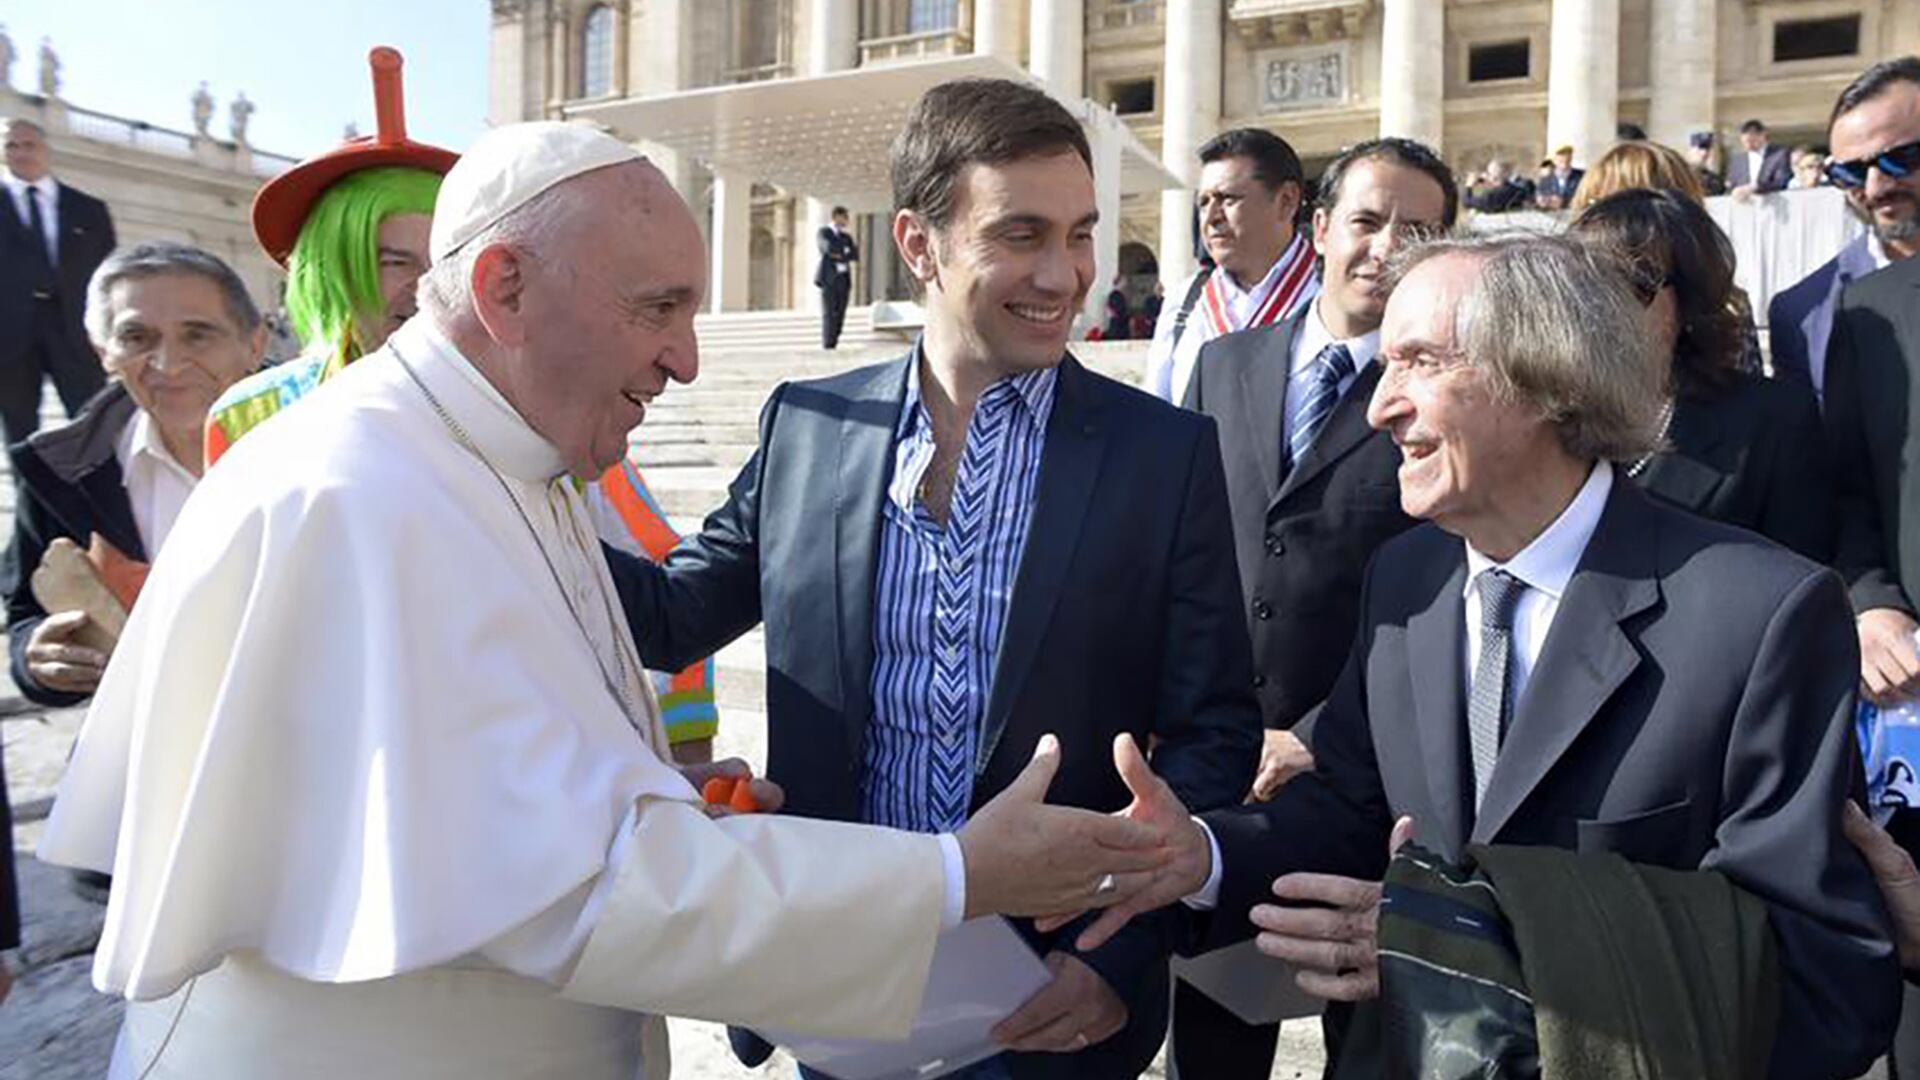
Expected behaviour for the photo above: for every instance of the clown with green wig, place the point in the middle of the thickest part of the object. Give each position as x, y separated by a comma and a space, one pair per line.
350, 226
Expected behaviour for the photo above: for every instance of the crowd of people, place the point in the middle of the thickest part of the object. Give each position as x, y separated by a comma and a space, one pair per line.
1477, 624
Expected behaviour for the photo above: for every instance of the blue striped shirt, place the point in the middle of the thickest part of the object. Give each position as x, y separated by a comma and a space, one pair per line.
940, 601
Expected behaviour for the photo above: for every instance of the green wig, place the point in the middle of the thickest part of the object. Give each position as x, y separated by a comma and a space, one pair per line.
333, 276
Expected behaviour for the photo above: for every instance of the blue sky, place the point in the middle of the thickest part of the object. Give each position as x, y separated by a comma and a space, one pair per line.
302, 64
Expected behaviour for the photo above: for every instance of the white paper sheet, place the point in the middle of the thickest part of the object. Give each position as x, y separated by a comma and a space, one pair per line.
982, 972
1250, 984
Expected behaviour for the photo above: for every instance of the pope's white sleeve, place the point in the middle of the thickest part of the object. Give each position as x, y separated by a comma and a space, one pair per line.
810, 926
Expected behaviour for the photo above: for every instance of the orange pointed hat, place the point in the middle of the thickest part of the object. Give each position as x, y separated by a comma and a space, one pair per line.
281, 207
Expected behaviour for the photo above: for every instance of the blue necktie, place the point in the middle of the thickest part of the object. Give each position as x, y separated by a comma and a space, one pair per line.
1329, 369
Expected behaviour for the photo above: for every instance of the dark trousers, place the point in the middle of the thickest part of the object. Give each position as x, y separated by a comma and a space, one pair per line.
833, 309
51, 350
1211, 1043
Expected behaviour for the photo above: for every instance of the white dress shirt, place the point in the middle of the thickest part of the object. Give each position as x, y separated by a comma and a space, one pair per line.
1754, 160
157, 485
1546, 565
49, 190
1313, 337
1170, 361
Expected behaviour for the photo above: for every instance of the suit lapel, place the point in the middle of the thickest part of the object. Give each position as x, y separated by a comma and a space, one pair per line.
1264, 367
1586, 657
1346, 428
1436, 648
1069, 466
860, 483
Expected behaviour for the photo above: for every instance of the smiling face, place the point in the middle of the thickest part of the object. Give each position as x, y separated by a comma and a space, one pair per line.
1462, 448
1244, 223
1888, 119
1011, 268
599, 320
402, 258
1380, 206
173, 342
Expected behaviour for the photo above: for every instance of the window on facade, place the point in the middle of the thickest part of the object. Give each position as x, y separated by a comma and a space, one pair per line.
1814, 39
1499, 60
596, 53
1131, 97
927, 16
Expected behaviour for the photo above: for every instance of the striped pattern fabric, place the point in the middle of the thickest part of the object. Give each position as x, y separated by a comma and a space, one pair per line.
248, 403
940, 601
1330, 367
1290, 285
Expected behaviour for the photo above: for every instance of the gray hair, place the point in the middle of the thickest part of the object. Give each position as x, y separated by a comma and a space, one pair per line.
447, 286
157, 257
8, 123
1556, 326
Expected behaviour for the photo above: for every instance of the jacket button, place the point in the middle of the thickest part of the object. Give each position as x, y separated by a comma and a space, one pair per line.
1259, 681
1275, 547
1261, 610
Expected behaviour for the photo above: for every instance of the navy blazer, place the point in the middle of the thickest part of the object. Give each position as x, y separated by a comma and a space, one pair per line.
1692, 708
1800, 318
86, 239
1776, 169
1125, 616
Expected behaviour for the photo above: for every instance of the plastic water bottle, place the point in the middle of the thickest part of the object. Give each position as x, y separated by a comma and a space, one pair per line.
1890, 750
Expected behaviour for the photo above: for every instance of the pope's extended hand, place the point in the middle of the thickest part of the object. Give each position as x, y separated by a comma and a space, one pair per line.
1189, 853
767, 795
1025, 857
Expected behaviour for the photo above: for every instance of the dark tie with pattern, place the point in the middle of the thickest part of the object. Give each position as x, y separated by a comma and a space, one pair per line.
1329, 369
1489, 704
38, 222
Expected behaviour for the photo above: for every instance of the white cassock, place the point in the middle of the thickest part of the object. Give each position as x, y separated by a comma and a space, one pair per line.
383, 793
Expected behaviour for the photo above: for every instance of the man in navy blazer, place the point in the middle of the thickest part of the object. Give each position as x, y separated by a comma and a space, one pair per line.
1758, 167
1878, 111
981, 542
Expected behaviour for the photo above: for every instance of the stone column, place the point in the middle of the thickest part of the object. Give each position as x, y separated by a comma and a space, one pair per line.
996, 29
731, 240
1056, 40
664, 42
1412, 65
1682, 70
1583, 77
833, 44
1190, 115
1104, 139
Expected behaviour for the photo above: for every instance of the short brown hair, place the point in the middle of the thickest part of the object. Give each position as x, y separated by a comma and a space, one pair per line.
975, 122
1638, 165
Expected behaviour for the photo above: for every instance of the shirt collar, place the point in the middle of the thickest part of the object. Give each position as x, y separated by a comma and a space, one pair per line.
1548, 563
47, 185
1877, 251
1035, 390
501, 434
1315, 336
140, 443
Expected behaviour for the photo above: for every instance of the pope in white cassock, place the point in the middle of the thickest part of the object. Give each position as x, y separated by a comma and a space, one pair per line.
380, 781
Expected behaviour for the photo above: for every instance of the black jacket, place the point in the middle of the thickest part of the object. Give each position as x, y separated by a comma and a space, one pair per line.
86, 239
1302, 536
69, 485
1692, 708
837, 251
1125, 616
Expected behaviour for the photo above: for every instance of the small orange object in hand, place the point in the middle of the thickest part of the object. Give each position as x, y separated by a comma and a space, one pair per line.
733, 792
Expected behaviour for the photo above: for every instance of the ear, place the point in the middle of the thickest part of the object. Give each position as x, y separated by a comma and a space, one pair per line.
914, 239
1290, 196
1322, 221
257, 344
499, 286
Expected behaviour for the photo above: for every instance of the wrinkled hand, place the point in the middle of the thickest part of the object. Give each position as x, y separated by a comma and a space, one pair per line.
1282, 757
1025, 857
1074, 1011
1334, 948
1893, 871
1889, 667
56, 663
766, 793
1190, 853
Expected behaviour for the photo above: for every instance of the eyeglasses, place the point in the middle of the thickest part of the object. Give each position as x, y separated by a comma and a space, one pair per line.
1896, 162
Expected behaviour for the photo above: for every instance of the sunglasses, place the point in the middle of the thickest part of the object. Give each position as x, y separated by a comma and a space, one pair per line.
1897, 162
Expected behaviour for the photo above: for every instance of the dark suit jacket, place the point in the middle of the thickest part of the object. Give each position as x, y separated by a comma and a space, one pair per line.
1754, 455
1562, 188
1125, 616
1776, 168
1800, 318
1302, 536
1871, 404
86, 239
69, 486
1516, 193
1692, 708
837, 249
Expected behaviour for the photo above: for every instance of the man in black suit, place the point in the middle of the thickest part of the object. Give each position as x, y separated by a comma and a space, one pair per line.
52, 237
1558, 660
834, 276
981, 542
1758, 167
1311, 487
1559, 181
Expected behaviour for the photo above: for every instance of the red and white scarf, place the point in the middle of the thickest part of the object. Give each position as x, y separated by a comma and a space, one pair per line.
1290, 284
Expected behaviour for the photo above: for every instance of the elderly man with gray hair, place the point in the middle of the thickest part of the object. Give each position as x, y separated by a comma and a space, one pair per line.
1557, 661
